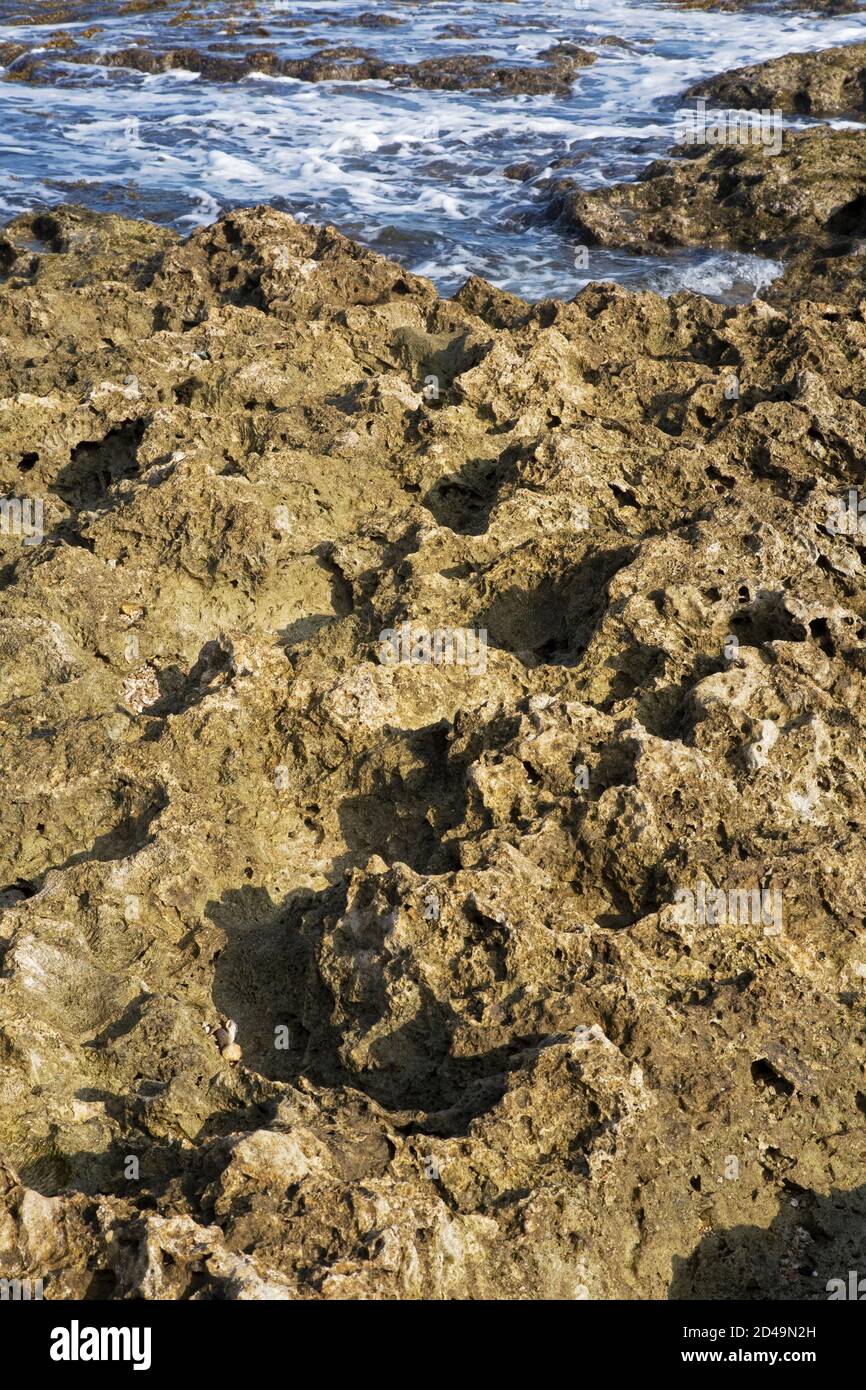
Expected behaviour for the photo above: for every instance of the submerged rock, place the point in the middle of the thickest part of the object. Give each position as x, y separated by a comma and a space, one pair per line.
546, 950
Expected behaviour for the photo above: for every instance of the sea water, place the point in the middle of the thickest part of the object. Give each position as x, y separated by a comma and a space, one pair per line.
415, 174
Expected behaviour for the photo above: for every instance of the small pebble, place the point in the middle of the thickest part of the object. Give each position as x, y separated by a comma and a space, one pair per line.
225, 1034
232, 1052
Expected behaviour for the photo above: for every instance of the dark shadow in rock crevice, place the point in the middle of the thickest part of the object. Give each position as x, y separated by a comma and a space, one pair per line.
95, 465
161, 1162
131, 833
265, 979
301, 629
463, 500
179, 691
405, 804
408, 795
462, 1089
849, 220
765, 618
826, 1235
666, 711
554, 623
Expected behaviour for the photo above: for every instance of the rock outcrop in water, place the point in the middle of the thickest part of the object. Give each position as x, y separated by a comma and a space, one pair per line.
829, 82
824, 8
334, 63
805, 204
546, 950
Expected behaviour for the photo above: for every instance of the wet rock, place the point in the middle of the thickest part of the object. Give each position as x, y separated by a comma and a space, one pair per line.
818, 7
456, 31
805, 204
520, 172
831, 82
340, 63
9, 52
370, 20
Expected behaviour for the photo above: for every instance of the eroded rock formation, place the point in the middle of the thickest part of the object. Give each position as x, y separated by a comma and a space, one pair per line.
804, 202
829, 82
485, 1053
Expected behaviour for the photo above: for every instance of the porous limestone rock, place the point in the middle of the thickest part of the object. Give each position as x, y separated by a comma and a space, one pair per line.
485, 1054
804, 203
829, 82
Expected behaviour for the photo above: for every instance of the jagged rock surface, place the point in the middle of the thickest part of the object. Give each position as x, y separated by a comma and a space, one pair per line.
805, 204
829, 82
482, 1054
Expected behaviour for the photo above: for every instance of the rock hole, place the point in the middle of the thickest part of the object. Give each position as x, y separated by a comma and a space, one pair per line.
766, 1078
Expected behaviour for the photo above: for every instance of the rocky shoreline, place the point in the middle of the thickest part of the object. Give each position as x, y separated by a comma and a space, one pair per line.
806, 205
482, 1052
434, 788
829, 82
747, 184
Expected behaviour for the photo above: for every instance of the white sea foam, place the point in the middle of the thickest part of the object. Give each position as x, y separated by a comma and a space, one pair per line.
417, 172
720, 275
